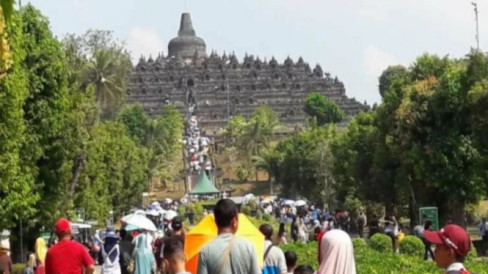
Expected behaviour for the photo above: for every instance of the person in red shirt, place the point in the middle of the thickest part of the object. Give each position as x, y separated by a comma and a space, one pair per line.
67, 256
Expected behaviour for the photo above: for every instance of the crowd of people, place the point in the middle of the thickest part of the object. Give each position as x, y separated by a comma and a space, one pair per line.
197, 146
140, 252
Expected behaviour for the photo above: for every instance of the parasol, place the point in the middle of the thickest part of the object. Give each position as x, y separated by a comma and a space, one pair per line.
142, 222
206, 231
300, 203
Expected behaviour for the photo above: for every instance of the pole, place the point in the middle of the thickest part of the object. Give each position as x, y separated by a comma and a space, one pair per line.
21, 242
475, 5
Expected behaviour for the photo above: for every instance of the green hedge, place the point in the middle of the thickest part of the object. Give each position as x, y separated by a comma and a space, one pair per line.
413, 246
369, 261
381, 242
472, 255
359, 244
18, 268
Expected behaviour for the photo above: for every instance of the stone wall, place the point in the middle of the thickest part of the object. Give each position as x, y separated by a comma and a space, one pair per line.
213, 81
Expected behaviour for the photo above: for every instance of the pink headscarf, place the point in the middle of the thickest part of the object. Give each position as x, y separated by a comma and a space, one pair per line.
337, 254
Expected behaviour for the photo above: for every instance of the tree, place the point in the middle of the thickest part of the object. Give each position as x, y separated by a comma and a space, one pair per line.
136, 122
322, 109
108, 74
17, 195
353, 150
115, 173
393, 75
257, 134
235, 128
298, 159
44, 153
97, 60
163, 139
269, 161
6, 60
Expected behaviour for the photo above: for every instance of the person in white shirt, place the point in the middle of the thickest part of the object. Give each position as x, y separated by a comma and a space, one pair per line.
302, 230
391, 229
274, 258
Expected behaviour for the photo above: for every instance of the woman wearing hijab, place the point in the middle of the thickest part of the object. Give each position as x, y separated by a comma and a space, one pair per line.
337, 254
145, 262
109, 253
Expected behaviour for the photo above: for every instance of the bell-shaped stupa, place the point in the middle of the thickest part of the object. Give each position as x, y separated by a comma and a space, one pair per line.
187, 45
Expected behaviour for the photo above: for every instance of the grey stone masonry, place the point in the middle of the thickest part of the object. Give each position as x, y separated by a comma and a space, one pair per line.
221, 86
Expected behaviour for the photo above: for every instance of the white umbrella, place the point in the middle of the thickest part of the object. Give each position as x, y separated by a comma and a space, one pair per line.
300, 203
138, 212
247, 198
170, 214
289, 202
161, 211
141, 222
152, 212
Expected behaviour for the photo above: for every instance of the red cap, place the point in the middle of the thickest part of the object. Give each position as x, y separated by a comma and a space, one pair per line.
452, 236
63, 226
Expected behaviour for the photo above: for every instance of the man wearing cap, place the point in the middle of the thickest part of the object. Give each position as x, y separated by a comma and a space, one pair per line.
67, 256
452, 244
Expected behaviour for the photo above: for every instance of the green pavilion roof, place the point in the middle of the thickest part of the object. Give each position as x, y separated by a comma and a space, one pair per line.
204, 186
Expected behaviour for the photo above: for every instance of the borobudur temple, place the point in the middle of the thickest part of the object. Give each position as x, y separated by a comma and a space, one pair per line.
220, 86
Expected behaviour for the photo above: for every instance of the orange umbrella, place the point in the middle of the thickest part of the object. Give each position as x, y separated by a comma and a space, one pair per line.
206, 231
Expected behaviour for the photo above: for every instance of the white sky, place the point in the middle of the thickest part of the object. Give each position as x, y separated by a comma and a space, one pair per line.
353, 39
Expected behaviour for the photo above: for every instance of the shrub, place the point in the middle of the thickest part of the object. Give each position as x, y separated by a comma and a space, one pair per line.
267, 217
412, 245
472, 254
253, 204
182, 210
242, 173
369, 261
198, 210
18, 268
381, 242
306, 253
245, 209
359, 244
259, 214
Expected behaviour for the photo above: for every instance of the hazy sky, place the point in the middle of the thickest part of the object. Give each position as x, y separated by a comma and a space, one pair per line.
353, 39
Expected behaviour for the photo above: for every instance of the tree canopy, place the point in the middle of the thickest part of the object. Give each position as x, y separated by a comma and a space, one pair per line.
58, 158
323, 109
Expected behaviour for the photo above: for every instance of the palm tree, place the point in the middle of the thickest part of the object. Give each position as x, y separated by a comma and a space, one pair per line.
163, 139
258, 133
107, 73
269, 161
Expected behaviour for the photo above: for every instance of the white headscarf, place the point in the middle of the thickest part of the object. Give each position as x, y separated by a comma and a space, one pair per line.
336, 253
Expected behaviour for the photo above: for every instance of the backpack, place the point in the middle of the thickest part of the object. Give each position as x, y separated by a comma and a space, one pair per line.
270, 269
462, 271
